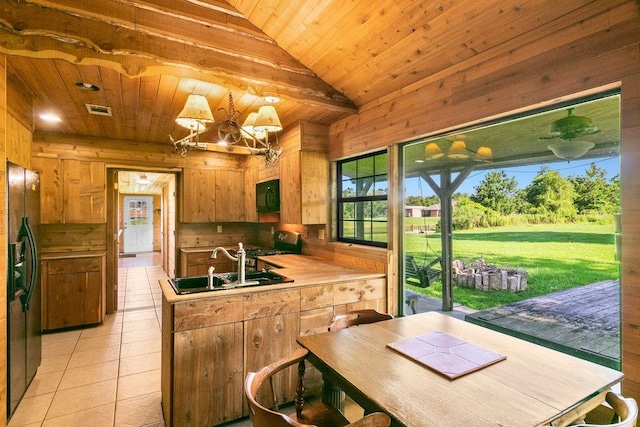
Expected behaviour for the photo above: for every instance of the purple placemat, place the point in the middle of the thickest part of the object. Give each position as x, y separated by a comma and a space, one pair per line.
445, 354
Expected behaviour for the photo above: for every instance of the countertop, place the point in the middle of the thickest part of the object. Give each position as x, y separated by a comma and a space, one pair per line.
66, 255
305, 270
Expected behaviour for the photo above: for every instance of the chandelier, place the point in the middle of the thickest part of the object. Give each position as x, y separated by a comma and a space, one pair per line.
457, 151
253, 134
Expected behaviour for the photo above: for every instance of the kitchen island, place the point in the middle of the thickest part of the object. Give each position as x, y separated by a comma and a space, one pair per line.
210, 340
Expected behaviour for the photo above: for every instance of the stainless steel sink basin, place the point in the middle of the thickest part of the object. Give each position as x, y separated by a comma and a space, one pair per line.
262, 277
194, 284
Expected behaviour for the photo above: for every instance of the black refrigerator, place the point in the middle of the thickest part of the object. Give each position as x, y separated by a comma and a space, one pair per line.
24, 330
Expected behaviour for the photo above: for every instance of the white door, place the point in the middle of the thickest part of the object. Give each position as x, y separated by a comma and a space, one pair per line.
138, 224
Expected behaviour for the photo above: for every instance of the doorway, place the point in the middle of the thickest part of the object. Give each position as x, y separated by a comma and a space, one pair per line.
141, 211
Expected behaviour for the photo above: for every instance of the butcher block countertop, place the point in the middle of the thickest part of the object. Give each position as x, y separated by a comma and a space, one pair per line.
303, 269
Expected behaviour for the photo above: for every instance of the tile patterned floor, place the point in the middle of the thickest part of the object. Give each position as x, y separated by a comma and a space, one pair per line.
107, 375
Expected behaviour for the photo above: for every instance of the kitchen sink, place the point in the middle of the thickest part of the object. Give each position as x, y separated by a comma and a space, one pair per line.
224, 281
262, 277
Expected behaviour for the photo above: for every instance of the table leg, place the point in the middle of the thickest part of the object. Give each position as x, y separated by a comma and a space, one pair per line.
332, 395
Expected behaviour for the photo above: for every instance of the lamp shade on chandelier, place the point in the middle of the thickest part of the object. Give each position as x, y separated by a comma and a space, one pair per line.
196, 114
267, 119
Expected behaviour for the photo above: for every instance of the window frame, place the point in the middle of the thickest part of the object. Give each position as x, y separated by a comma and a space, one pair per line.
341, 200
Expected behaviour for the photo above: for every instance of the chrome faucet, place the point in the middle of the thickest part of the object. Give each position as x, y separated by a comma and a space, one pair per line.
239, 258
210, 277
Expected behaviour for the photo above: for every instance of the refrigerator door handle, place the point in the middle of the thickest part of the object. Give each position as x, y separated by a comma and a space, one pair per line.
26, 231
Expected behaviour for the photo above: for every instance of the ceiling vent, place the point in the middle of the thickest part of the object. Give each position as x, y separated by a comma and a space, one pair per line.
98, 110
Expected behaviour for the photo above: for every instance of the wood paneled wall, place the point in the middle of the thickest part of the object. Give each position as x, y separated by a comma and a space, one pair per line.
3, 240
575, 61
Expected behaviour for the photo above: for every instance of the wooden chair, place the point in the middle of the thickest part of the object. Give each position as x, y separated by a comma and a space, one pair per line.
318, 415
623, 412
357, 317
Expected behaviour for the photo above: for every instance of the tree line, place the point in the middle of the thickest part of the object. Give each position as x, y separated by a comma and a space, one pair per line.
549, 198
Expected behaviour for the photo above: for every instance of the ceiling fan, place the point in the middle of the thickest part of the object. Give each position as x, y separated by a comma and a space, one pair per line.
567, 129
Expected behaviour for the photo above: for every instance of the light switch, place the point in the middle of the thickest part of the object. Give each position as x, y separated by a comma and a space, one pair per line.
219, 229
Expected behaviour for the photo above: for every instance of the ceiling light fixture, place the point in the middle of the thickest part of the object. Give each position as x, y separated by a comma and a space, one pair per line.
567, 129
457, 151
52, 118
271, 98
87, 86
143, 180
570, 150
432, 151
253, 134
484, 155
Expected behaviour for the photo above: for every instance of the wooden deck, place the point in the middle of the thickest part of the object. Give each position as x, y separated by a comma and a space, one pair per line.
583, 321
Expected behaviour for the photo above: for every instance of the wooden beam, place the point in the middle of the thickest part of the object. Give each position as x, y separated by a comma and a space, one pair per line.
154, 37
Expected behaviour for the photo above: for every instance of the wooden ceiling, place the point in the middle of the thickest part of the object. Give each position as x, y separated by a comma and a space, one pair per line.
325, 59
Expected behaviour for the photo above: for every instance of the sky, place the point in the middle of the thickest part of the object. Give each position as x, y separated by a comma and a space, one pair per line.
523, 175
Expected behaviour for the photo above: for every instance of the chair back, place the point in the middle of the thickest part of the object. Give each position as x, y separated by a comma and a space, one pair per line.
358, 317
260, 415
625, 412
319, 415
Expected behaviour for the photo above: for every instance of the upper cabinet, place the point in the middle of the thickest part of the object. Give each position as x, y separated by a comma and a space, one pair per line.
212, 196
250, 181
304, 175
71, 191
230, 196
198, 195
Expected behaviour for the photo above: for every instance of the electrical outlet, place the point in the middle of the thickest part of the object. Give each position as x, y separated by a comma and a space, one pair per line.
321, 234
219, 229
272, 230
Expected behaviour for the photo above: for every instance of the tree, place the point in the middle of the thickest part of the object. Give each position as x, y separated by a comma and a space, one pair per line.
549, 192
496, 191
593, 193
421, 201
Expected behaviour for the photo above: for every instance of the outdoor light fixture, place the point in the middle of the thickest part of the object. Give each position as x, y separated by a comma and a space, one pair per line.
567, 129
570, 150
253, 134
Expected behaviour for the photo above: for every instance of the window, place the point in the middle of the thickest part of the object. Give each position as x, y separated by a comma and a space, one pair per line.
362, 200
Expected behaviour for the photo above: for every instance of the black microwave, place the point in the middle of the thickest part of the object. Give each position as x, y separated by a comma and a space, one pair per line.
268, 196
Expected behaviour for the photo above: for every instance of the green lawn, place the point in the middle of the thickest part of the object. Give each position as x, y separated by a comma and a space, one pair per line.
555, 256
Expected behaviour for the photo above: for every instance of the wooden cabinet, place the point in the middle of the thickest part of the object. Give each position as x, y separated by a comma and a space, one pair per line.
72, 191
268, 339
230, 196
202, 362
304, 175
198, 263
212, 196
73, 291
209, 344
198, 195
250, 181
304, 194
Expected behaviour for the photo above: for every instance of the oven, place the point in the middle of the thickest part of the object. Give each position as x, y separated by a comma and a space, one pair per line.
284, 242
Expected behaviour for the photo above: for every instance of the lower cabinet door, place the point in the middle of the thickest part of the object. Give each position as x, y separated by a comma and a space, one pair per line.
72, 292
208, 375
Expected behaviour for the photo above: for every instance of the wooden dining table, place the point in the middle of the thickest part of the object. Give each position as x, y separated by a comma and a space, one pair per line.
531, 386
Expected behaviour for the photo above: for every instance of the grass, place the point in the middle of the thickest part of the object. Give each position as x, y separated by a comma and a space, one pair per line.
555, 256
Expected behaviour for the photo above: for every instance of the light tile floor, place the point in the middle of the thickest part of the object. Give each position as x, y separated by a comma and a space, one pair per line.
109, 375
106, 375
